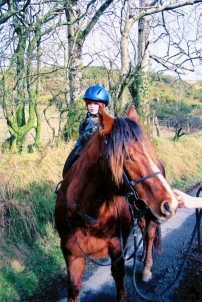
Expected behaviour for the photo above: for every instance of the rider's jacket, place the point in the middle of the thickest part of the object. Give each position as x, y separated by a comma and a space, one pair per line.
87, 127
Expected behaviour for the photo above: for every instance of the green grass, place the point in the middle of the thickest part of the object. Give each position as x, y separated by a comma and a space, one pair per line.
31, 266
30, 250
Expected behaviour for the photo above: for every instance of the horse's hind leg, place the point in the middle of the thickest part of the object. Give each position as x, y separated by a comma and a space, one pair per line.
75, 268
118, 270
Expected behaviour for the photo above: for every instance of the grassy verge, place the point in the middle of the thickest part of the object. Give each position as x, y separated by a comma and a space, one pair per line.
181, 159
30, 255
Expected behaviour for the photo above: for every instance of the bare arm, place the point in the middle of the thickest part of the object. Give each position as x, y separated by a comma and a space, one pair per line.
187, 201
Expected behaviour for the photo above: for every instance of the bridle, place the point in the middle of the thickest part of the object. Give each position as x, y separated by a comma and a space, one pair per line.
141, 179
131, 192
138, 207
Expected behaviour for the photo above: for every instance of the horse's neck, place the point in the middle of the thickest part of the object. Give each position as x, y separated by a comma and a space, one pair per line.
84, 182
88, 178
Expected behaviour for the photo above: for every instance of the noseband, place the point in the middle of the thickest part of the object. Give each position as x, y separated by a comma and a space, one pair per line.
131, 194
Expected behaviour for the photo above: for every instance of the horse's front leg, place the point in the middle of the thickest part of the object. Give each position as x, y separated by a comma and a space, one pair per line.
117, 268
148, 261
75, 268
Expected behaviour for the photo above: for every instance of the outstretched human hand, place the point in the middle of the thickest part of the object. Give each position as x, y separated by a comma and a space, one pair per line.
187, 201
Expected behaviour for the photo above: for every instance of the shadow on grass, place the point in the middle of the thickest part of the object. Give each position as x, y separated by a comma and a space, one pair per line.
31, 256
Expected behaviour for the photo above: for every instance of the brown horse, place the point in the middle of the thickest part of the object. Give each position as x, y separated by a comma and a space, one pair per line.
92, 209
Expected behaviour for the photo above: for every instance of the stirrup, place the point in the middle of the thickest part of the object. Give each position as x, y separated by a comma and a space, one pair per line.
57, 187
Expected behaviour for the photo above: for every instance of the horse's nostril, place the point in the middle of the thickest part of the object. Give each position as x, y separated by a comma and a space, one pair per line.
167, 207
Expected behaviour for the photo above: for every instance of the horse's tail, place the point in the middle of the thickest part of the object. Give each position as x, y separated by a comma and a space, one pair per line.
158, 239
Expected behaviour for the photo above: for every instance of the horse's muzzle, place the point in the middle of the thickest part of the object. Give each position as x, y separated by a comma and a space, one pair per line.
166, 210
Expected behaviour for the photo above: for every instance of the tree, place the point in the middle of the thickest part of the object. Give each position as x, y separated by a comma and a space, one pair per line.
154, 26
21, 78
130, 33
32, 22
78, 29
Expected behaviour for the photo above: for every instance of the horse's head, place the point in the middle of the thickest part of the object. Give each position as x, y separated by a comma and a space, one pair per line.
130, 153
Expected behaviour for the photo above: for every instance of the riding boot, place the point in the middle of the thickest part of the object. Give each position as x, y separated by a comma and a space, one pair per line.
73, 156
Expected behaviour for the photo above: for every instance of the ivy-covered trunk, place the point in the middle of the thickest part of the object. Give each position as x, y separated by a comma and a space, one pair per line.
140, 92
17, 126
34, 82
75, 45
139, 88
19, 98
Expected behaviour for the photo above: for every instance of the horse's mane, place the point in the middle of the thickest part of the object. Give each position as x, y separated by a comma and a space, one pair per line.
125, 130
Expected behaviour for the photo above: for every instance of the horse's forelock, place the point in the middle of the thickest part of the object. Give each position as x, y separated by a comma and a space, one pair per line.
124, 131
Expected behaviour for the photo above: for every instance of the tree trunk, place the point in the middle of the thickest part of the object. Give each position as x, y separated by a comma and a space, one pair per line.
24, 95
76, 38
139, 88
38, 142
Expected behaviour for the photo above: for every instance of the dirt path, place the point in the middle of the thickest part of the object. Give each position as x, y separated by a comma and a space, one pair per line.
98, 284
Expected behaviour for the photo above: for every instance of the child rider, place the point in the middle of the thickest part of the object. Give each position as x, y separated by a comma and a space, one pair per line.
95, 96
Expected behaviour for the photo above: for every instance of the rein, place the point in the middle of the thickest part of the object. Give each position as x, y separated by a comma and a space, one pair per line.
86, 255
172, 285
198, 211
166, 291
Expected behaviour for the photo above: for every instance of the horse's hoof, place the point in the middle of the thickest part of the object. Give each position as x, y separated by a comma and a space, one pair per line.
121, 296
122, 299
147, 276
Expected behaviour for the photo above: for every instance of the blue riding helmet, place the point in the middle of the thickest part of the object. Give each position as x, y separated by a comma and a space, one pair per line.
97, 93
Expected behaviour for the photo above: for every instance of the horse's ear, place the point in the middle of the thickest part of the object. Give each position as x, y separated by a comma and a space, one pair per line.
132, 113
106, 122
